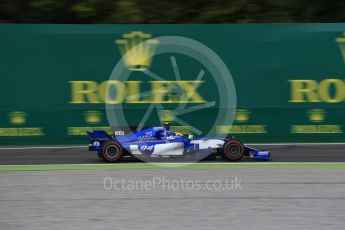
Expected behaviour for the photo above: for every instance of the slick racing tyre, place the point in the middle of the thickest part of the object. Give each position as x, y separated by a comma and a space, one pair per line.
233, 150
112, 151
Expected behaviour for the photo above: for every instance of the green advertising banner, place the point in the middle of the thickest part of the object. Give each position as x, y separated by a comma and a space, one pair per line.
262, 83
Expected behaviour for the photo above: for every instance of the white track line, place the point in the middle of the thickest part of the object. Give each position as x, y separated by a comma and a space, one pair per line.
295, 144
185, 164
238, 163
85, 146
43, 147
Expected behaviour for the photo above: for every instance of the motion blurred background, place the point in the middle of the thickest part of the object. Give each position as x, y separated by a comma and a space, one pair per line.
174, 11
40, 64
56, 64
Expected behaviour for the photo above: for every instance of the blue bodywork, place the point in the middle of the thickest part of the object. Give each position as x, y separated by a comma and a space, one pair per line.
148, 138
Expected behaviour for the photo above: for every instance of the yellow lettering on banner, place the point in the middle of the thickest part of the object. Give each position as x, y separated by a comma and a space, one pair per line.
316, 129
190, 93
304, 91
328, 90
160, 91
133, 94
112, 92
116, 92
84, 92
325, 90
17, 132
237, 129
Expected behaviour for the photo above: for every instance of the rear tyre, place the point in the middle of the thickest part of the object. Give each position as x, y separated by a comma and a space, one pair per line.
112, 151
233, 150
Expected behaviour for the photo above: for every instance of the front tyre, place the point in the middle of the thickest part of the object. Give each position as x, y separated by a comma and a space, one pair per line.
112, 151
233, 150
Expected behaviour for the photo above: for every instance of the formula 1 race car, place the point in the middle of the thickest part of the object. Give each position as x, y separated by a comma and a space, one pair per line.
158, 142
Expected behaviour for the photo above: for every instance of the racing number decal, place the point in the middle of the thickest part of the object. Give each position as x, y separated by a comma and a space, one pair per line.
146, 149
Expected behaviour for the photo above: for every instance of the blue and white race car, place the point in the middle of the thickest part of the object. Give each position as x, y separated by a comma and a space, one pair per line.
159, 142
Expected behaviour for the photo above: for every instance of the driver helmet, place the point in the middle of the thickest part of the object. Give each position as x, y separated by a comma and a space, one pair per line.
178, 133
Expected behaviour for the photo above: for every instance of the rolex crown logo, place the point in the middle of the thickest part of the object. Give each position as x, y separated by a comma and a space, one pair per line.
17, 117
341, 43
93, 117
242, 115
137, 49
316, 115
167, 115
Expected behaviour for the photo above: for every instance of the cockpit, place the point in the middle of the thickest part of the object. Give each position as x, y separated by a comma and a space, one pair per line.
177, 135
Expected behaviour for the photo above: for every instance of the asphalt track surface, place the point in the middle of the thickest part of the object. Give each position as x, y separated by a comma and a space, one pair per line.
81, 155
262, 199
173, 198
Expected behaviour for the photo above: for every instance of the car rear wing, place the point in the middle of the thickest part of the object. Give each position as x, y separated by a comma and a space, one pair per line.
99, 135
